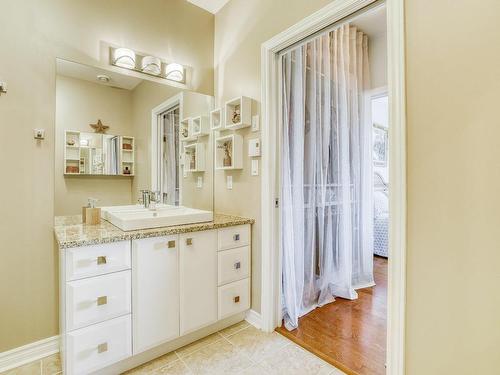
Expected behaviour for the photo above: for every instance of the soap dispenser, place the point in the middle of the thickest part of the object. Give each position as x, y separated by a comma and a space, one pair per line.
90, 213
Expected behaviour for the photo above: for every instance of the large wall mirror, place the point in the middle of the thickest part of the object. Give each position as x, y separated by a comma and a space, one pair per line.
118, 133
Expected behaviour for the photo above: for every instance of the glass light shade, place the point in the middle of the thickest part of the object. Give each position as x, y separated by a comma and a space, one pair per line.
151, 65
124, 58
174, 72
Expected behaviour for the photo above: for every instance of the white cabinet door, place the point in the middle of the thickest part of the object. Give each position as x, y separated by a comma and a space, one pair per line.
198, 277
155, 291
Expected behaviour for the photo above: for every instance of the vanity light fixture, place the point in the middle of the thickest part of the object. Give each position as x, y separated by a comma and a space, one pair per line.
151, 65
147, 64
124, 57
174, 72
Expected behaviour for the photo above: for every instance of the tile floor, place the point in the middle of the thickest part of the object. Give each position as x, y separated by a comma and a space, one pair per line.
240, 349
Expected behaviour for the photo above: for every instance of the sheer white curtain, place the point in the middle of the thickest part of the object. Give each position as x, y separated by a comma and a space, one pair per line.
170, 181
326, 179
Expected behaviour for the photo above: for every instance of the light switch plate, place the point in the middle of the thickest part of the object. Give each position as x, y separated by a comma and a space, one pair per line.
254, 147
255, 123
199, 182
229, 182
184, 173
255, 167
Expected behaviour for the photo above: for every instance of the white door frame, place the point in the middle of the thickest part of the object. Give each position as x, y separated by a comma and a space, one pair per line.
176, 100
270, 306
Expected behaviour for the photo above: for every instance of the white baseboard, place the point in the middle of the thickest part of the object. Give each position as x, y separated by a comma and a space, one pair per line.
254, 318
28, 353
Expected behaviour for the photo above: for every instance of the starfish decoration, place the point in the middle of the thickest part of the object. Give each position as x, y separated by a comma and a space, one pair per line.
99, 127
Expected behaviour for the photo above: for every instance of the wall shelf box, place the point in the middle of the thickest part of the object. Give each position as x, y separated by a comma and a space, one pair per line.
234, 142
84, 154
194, 157
216, 119
127, 157
243, 105
199, 126
185, 126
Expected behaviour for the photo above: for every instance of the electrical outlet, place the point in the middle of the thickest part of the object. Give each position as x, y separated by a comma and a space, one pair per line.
199, 182
255, 167
229, 182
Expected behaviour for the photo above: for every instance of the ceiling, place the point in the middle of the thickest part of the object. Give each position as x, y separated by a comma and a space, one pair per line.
212, 6
372, 22
90, 73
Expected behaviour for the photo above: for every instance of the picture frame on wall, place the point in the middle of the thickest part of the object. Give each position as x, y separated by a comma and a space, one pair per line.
380, 138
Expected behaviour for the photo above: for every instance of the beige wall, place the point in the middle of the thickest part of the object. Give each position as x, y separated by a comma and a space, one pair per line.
237, 72
453, 80
78, 104
453, 305
146, 96
33, 34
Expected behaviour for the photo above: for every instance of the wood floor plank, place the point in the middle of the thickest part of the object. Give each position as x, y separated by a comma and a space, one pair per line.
350, 335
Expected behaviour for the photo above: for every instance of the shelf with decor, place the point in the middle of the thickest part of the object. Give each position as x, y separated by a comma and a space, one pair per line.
200, 126
184, 127
238, 113
127, 156
71, 152
91, 154
216, 119
194, 157
229, 152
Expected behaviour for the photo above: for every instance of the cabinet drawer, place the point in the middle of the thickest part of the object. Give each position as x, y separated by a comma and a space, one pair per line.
234, 264
92, 348
234, 298
96, 260
234, 237
96, 299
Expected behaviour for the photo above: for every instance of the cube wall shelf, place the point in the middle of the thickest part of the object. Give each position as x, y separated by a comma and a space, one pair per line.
217, 119
238, 113
229, 152
194, 157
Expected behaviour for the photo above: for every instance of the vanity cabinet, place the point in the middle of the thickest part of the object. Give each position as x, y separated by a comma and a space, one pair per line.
198, 278
123, 298
155, 291
95, 306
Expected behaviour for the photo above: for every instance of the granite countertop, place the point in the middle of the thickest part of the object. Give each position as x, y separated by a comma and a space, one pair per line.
70, 232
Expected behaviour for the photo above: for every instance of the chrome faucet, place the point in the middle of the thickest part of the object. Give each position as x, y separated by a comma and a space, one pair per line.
145, 198
149, 197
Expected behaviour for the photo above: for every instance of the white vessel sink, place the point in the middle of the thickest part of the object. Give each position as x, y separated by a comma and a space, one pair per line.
137, 217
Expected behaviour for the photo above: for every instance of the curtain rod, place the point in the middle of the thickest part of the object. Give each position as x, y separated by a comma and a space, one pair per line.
333, 26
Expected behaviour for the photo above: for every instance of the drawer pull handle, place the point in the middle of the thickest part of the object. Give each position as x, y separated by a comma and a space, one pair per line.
237, 265
189, 241
237, 299
103, 300
236, 237
101, 259
171, 244
101, 348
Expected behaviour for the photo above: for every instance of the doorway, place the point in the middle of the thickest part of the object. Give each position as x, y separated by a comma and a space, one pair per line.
272, 311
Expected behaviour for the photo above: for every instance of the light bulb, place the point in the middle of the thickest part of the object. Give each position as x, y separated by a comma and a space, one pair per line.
124, 58
174, 72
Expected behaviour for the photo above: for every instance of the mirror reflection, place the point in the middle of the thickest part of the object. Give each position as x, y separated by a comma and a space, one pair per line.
121, 135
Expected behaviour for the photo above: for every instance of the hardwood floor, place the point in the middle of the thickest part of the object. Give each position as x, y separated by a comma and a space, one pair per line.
350, 335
